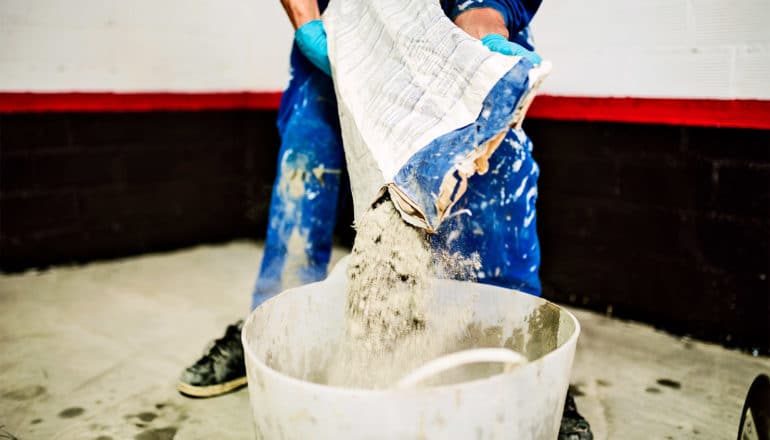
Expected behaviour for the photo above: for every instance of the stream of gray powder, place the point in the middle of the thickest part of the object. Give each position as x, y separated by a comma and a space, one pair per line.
391, 329
388, 278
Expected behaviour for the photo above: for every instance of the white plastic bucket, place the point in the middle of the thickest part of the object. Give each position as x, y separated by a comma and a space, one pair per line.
291, 335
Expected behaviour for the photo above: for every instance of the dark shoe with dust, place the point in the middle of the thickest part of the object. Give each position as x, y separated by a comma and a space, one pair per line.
573, 425
220, 370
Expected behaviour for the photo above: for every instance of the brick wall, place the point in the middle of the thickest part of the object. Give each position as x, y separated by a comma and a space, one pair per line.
77, 187
664, 224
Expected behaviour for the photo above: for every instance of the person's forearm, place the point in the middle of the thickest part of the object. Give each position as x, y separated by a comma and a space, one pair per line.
301, 11
481, 22
515, 14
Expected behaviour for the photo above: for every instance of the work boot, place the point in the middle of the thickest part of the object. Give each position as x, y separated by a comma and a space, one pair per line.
220, 370
573, 425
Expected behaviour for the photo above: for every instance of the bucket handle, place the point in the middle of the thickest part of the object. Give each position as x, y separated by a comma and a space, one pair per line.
453, 360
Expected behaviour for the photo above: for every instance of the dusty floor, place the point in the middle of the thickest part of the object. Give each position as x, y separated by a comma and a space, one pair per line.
93, 352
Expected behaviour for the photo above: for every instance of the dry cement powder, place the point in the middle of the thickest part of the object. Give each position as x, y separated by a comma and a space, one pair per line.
390, 326
388, 278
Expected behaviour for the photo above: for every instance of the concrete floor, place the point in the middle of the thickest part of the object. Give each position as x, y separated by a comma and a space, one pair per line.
94, 351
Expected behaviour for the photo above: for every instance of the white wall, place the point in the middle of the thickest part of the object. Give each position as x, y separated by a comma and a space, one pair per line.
656, 48
645, 48
143, 45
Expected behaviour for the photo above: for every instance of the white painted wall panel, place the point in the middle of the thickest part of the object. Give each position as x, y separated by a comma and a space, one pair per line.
637, 24
651, 48
668, 72
656, 48
143, 45
721, 22
752, 67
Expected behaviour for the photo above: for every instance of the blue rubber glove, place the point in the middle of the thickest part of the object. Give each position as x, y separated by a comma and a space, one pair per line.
498, 43
311, 40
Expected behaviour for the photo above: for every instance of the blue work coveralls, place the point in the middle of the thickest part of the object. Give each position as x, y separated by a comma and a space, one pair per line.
500, 226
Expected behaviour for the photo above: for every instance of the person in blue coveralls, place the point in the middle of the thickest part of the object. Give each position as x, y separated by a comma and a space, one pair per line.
306, 190
305, 193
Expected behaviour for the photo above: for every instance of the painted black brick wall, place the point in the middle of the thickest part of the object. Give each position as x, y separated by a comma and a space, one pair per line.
77, 187
663, 224
668, 225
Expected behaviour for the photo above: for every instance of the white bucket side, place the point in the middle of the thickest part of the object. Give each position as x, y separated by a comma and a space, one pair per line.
524, 403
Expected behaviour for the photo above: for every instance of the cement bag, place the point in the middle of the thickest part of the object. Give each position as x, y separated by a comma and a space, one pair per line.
422, 105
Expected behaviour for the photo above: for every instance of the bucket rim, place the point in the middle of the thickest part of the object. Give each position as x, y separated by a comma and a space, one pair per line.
570, 341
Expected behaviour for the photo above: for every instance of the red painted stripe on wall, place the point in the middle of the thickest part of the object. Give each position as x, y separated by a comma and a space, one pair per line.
697, 112
741, 113
29, 102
